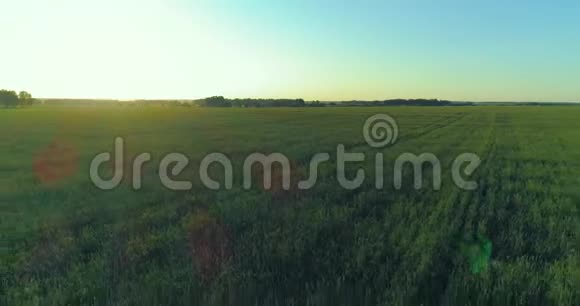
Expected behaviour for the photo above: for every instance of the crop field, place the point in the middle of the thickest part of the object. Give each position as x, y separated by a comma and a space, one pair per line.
513, 240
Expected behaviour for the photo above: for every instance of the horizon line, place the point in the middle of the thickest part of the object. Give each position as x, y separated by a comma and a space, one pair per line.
305, 100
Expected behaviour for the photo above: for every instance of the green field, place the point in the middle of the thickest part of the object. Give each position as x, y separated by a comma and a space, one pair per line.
65, 242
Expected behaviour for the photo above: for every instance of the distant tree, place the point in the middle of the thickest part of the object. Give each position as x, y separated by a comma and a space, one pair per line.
220, 101
8, 98
315, 104
25, 98
216, 101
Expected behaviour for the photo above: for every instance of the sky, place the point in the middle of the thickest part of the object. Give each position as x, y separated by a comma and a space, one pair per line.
317, 50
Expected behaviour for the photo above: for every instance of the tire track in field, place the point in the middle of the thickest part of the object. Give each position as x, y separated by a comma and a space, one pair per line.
513, 216
463, 204
468, 202
437, 126
509, 193
406, 252
439, 227
425, 130
428, 221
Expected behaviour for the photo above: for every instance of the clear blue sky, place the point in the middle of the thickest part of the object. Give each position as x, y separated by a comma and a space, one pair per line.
460, 50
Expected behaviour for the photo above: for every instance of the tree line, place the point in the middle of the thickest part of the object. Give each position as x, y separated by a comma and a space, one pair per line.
401, 102
9, 98
219, 101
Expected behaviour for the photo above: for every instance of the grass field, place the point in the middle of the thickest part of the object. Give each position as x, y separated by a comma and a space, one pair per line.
65, 242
